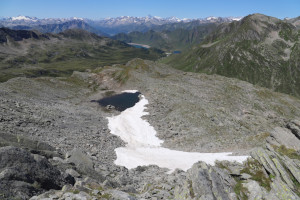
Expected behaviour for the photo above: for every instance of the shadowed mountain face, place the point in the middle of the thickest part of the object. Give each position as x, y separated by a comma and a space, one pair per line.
32, 54
18, 35
173, 39
57, 28
259, 49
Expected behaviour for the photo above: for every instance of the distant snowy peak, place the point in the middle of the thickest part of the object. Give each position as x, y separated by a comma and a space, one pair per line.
77, 18
211, 18
34, 19
25, 18
122, 20
220, 19
235, 18
128, 20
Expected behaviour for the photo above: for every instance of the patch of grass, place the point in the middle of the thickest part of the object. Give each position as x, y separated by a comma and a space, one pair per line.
192, 194
295, 182
261, 137
147, 187
122, 75
75, 191
222, 166
283, 150
109, 93
75, 81
106, 196
265, 94
263, 181
95, 186
240, 190
254, 168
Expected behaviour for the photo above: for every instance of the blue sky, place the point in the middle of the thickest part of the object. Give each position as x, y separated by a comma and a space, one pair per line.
164, 8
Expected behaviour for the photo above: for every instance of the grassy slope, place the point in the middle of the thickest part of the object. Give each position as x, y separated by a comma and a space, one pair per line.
177, 39
259, 49
64, 53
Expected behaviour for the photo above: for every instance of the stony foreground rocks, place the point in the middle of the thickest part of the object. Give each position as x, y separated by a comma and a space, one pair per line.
24, 174
55, 144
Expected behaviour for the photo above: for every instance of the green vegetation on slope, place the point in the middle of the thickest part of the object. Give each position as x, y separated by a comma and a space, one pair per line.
64, 53
169, 40
259, 49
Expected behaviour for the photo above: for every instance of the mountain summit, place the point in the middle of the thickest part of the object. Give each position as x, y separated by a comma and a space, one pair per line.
259, 49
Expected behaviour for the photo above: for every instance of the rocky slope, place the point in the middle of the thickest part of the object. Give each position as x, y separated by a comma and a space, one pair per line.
259, 49
191, 112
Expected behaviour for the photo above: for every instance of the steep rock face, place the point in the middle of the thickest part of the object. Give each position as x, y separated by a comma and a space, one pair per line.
206, 182
279, 167
271, 172
259, 49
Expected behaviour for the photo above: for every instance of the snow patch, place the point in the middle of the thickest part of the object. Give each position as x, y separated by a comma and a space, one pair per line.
144, 148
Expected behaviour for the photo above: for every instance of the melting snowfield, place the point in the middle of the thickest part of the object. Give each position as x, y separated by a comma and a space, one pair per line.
144, 148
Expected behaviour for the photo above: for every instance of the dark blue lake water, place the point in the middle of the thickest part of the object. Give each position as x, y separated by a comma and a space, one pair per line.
176, 52
120, 101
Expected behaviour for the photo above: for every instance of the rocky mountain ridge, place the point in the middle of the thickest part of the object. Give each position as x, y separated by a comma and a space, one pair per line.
260, 49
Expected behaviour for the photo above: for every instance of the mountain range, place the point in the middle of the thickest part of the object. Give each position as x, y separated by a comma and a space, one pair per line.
108, 26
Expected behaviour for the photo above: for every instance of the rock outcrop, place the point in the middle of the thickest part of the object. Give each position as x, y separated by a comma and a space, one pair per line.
23, 174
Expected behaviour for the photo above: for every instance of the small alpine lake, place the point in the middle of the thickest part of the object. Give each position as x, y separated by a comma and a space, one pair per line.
120, 101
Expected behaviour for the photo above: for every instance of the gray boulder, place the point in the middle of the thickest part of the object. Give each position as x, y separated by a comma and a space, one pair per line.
119, 195
209, 182
294, 126
23, 174
83, 163
255, 191
283, 136
33, 146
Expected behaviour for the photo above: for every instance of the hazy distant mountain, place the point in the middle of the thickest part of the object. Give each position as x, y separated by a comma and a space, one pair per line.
57, 28
259, 49
32, 21
295, 21
110, 26
127, 24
